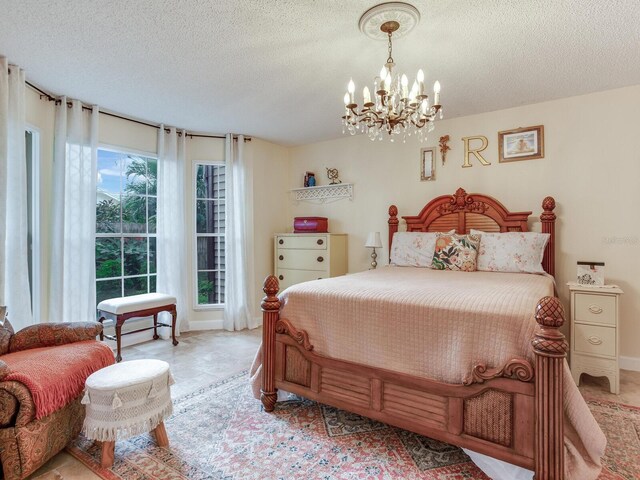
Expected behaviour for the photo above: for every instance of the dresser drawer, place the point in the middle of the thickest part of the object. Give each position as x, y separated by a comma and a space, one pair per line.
595, 308
305, 242
595, 340
302, 259
288, 277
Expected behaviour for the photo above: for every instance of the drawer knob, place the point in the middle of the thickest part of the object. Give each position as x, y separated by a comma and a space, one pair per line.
320, 241
320, 259
281, 257
281, 241
597, 309
593, 340
281, 277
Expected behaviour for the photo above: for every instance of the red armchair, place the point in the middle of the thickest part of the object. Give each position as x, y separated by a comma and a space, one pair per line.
26, 441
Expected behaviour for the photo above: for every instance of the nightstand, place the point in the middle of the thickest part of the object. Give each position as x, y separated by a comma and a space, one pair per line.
595, 332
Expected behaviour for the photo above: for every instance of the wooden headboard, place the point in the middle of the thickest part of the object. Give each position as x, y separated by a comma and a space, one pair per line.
462, 212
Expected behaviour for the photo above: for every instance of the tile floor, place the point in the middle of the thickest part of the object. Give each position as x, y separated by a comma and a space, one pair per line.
204, 357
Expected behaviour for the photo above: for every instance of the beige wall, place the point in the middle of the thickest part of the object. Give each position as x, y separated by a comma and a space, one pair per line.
271, 209
591, 167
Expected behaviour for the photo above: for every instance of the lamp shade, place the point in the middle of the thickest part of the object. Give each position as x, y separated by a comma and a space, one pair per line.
373, 240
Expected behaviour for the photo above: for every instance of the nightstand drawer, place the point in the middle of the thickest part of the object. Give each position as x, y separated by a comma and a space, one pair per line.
595, 340
302, 259
309, 242
595, 308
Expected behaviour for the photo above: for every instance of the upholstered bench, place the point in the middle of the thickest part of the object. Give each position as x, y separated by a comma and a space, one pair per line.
125, 400
136, 306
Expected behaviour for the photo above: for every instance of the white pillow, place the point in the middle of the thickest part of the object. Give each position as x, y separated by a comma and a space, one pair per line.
413, 249
516, 252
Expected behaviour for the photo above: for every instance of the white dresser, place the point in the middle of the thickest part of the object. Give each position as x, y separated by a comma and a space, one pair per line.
300, 257
595, 333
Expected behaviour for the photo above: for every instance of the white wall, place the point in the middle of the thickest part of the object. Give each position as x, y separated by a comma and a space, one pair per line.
271, 212
591, 167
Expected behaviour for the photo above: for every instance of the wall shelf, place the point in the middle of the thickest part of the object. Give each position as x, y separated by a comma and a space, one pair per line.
323, 193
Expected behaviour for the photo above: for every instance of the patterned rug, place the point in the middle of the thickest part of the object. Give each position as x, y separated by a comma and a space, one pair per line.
219, 432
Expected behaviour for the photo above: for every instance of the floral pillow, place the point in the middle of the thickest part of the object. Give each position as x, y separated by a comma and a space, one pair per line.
515, 252
413, 249
456, 252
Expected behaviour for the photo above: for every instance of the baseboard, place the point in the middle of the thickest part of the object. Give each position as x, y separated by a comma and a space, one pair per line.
630, 363
132, 339
198, 325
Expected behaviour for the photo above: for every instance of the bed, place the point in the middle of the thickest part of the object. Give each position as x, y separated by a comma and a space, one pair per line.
381, 359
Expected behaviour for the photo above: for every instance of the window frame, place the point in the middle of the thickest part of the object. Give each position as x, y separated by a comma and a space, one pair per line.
130, 151
194, 205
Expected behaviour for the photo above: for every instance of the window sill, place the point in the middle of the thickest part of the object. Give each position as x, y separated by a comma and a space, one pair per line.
204, 308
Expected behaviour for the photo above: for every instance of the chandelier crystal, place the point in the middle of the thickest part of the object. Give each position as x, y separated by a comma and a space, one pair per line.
393, 108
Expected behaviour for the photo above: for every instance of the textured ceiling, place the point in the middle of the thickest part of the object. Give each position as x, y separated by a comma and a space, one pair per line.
278, 69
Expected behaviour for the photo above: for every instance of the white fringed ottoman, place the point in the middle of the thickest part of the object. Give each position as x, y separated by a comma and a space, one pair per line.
125, 400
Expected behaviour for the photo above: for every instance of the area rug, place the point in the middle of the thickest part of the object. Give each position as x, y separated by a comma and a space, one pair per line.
219, 432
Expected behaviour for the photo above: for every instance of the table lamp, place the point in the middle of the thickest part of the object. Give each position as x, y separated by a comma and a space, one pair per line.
373, 241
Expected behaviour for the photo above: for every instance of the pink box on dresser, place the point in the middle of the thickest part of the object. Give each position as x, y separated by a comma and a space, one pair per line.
310, 225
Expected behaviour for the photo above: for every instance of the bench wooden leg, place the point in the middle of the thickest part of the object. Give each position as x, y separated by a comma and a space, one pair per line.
155, 327
162, 439
101, 320
108, 454
118, 340
174, 318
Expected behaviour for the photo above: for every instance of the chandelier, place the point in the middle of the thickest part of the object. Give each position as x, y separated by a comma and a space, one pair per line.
392, 108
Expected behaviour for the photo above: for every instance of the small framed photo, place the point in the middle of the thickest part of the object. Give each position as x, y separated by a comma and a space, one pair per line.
521, 144
591, 273
427, 164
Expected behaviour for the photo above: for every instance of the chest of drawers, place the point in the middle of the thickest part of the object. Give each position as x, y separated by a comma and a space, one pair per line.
300, 257
595, 333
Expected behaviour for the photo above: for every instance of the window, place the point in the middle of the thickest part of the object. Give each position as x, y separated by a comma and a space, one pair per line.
210, 233
125, 224
32, 143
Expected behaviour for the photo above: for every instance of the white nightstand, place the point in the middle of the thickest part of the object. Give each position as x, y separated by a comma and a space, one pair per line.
594, 332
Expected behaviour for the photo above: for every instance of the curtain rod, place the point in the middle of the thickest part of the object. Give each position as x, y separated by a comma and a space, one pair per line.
51, 98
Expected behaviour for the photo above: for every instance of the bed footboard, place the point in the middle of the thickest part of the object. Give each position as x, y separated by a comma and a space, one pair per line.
512, 412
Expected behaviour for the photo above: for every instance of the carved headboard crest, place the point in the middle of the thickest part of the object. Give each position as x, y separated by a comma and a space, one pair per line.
462, 201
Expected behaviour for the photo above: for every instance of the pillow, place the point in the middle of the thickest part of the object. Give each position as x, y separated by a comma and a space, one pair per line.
456, 252
413, 249
515, 252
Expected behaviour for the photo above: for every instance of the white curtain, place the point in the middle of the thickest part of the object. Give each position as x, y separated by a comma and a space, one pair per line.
239, 275
72, 284
171, 233
14, 267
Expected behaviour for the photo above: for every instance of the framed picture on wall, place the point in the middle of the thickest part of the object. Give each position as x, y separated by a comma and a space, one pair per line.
427, 164
521, 144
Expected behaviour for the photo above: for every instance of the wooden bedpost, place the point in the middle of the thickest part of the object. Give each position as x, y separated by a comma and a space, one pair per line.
550, 349
548, 219
270, 315
393, 225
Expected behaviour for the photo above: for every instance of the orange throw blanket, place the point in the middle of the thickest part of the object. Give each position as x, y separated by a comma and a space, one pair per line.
56, 375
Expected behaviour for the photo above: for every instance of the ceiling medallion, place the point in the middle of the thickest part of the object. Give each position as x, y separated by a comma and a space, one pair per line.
394, 108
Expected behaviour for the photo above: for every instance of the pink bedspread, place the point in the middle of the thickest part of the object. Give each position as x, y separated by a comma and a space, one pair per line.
437, 324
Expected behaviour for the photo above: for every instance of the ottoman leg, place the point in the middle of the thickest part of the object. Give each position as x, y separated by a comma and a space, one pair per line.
161, 435
108, 452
